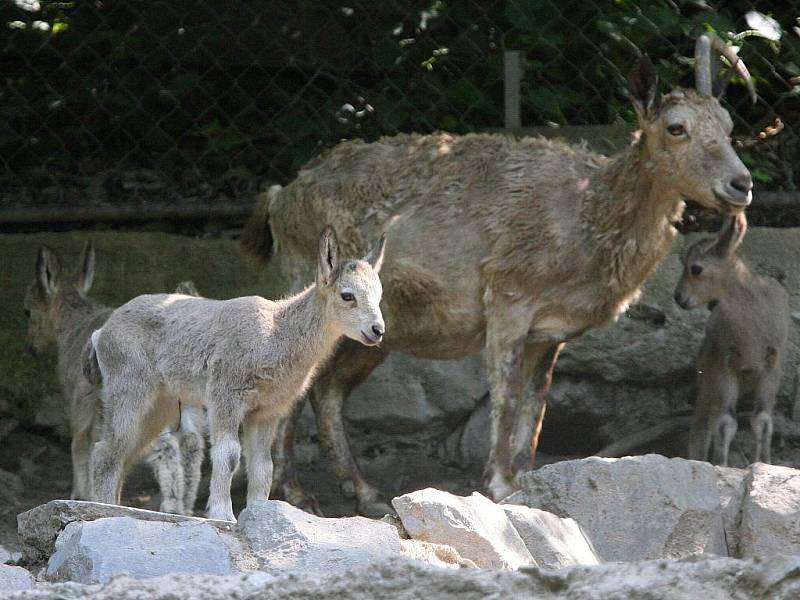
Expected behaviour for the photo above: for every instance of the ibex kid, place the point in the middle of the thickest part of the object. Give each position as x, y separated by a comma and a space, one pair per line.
246, 359
744, 346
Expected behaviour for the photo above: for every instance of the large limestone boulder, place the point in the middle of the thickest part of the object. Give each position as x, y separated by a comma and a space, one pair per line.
770, 512
39, 527
97, 551
409, 395
475, 526
634, 508
553, 542
283, 538
397, 579
731, 486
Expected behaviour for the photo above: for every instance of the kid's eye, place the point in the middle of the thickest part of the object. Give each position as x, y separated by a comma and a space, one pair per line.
348, 297
695, 269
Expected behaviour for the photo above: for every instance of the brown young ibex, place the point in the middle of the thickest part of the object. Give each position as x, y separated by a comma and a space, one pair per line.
514, 246
743, 350
60, 312
246, 359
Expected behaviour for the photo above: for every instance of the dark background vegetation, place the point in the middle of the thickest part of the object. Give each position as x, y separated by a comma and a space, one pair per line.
193, 91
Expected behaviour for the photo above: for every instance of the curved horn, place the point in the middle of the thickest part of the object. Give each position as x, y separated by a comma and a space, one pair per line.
737, 64
702, 65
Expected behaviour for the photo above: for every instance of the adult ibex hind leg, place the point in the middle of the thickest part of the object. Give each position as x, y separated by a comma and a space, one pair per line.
538, 363
348, 368
285, 482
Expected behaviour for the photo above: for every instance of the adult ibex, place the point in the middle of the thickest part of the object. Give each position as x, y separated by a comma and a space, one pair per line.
514, 246
744, 346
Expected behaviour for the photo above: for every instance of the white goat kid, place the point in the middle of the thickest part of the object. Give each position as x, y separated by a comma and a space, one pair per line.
246, 359
744, 346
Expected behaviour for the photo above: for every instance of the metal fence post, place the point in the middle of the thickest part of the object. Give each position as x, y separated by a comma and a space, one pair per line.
512, 76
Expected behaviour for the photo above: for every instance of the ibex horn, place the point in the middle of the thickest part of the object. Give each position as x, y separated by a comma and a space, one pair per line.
703, 48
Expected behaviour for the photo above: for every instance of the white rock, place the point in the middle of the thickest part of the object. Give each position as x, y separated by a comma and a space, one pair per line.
553, 542
39, 526
284, 538
97, 551
730, 483
13, 579
633, 508
770, 512
475, 526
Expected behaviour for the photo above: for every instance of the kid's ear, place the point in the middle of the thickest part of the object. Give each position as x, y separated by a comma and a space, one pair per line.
731, 235
375, 256
328, 263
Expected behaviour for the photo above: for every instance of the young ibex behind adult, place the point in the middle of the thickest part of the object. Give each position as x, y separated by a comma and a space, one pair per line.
743, 350
509, 245
246, 359
60, 312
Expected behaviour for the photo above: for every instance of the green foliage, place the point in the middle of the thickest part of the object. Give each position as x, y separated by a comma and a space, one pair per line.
214, 84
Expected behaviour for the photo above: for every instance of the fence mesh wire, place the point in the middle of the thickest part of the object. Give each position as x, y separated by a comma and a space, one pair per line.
193, 99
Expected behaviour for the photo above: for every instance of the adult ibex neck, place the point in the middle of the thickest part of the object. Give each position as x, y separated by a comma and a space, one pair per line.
628, 217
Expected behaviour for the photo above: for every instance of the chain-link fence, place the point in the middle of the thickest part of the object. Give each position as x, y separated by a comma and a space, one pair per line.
193, 99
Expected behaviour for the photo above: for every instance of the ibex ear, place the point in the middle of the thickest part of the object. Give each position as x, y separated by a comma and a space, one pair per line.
47, 269
328, 256
731, 235
86, 268
643, 88
375, 256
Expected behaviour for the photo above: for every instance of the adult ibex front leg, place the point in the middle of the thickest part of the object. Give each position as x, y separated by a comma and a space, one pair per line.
506, 331
346, 371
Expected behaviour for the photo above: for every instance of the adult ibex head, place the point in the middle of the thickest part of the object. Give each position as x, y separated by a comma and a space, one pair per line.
687, 132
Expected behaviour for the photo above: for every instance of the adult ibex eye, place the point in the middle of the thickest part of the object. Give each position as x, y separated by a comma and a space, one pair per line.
348, 297
676, 129
28, 313
695, 269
